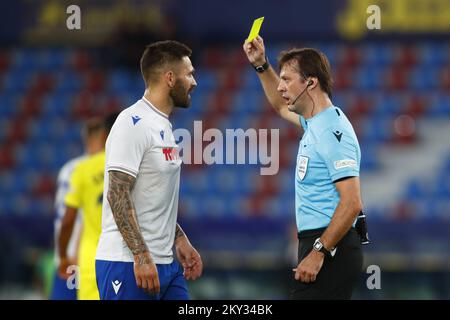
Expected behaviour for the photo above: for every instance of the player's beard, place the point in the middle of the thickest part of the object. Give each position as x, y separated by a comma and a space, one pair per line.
180, 95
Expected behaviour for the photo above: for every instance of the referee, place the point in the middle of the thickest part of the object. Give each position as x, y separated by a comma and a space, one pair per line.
327, 188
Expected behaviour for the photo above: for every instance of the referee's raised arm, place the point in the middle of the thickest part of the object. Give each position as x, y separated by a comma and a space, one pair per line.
256, 55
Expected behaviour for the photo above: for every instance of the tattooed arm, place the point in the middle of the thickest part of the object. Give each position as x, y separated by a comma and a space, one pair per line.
187, 255
179, 233
122, 207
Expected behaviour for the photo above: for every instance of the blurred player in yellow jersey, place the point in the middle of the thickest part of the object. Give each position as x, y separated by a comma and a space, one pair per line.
93, 143
85, 193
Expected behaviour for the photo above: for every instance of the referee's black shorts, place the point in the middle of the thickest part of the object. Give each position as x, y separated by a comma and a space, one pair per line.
338, 275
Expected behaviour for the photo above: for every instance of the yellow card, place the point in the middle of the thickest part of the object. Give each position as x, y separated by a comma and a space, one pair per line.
255, 29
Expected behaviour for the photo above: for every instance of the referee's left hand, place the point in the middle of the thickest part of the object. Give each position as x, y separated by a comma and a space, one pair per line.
309, 267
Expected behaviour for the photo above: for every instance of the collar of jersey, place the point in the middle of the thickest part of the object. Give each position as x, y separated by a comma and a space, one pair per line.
316, 119
148, 103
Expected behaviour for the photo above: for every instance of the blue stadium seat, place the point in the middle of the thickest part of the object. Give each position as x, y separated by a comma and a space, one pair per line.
120, 81
212, 206
53, 60
369, 159
434, 54
69, 83
443, 186
9, 105
21, 204
21, 185
389, 105
286, 182
239, 206
250, 81
189, 205
245, 102
26, 60
206, 79
369, 78
17, 82
57, 104
415, 190
376, 130
440, 106
424, 78
379, 56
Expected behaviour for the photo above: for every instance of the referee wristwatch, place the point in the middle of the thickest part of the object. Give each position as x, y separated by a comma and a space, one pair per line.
262, 67
319, 247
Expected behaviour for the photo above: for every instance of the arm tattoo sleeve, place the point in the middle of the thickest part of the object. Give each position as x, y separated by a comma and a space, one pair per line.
119, 198
179, 232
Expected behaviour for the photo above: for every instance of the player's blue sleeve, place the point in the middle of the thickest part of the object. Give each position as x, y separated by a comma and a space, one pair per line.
340, 151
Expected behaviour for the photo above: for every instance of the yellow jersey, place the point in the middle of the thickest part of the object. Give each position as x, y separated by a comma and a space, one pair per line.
86, 193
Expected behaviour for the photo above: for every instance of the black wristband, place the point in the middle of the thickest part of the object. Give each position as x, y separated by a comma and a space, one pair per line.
263, 67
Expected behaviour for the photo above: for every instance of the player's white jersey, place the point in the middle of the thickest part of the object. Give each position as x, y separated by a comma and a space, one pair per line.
62, 188
141, 144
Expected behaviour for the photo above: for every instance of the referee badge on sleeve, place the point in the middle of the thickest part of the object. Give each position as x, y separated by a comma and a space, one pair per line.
302, 167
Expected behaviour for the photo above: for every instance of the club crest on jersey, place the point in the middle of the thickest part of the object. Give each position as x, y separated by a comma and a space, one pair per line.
161, 133
171, 154
302, 167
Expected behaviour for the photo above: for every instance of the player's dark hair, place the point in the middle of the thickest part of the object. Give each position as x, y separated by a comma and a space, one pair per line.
109, 121
311, 63
158, 55
91, 127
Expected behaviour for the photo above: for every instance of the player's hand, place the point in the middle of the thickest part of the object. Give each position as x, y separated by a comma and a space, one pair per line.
308, 269
255, 51
189, 258
146, 273
64, 264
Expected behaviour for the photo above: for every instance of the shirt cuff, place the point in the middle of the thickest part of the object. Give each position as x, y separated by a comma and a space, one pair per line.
123, 169
344, 174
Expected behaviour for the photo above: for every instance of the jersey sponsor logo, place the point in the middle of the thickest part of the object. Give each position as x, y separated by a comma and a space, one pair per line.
135, 119
171, 154
116, 285
338, 135
302, 167
346, 163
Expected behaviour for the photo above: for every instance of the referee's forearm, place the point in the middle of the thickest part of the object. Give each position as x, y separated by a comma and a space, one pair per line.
343, 218
269, 81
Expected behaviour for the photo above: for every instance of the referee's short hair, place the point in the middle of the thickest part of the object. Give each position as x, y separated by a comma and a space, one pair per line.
311, 63
159, 55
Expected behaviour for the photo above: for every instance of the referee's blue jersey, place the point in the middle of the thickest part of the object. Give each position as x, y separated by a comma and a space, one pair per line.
328, 151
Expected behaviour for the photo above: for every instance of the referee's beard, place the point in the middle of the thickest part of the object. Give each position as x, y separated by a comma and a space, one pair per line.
180, 95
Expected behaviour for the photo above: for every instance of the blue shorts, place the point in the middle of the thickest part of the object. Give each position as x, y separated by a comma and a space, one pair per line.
116, 281
60, 291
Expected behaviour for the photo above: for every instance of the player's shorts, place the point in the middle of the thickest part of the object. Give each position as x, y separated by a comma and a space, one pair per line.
116, 281
60, 290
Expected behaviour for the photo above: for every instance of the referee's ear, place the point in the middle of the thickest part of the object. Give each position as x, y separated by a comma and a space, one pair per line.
312, 83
